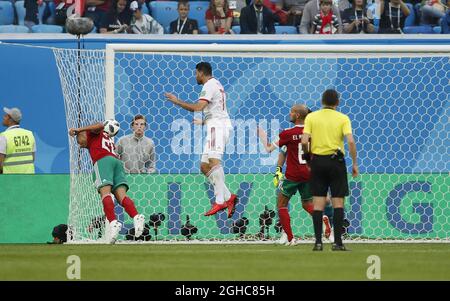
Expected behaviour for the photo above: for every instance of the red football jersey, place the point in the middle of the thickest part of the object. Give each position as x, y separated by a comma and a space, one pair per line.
296, 168
100, 145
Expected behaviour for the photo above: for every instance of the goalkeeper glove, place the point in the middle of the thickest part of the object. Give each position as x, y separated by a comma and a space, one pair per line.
278, 176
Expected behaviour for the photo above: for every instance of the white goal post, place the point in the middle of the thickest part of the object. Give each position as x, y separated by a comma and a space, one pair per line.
396, 96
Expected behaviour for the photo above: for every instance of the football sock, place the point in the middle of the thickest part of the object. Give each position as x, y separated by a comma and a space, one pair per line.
220, 189
108, 207
317, 221
285, 220
226, 192
212, 180
338, 221
309, 207
129, 207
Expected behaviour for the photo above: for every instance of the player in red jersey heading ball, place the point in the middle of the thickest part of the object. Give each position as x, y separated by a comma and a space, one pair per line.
108, 174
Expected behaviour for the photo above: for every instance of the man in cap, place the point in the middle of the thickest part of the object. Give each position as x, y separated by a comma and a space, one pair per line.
17, 145
142, 23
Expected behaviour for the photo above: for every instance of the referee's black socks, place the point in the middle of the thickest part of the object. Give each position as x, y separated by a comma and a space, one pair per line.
317, 221
338, 220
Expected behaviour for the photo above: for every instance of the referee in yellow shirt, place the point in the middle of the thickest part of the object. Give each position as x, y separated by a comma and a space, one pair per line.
326, 128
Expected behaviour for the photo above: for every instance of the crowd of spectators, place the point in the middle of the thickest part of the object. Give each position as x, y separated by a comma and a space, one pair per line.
253, 16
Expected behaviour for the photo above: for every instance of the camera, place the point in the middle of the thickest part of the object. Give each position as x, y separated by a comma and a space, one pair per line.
240, 226
265, 220
188, 229
155, 221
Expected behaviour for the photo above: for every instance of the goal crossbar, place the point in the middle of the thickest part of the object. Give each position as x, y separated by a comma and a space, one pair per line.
111, 49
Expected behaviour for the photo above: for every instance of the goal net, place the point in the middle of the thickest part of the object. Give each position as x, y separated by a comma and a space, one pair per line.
396, 96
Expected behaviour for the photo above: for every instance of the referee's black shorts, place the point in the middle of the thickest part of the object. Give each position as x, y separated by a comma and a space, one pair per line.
327, 172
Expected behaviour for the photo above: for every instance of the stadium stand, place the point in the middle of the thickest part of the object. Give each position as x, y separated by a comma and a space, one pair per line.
51, 11
14, 29
13, 13
204, 29
418, 13
164, 12
20, 10
278, 29
6, 13
418, 29
411, 19
145, 10
197, 11
286, 30
46, 28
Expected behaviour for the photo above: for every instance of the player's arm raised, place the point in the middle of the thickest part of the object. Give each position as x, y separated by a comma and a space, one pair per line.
95, 128
81, 132
269, 147
193, 107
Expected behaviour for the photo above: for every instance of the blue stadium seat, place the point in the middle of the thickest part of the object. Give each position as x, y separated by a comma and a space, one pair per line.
145, 9
376, 19
418, 13
197, 11
203, 30
376, 22
411, 19
437, 29
164, 12
418, 29
443, 25
14, 29
21, 12
6, 13
373, 9
286, 30
45, 28
52, 10
278, 29
42, 11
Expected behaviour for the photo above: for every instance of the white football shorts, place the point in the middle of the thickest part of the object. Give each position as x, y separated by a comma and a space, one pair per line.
218, 133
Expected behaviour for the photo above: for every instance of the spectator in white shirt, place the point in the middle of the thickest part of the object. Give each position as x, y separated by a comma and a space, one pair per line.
143, 23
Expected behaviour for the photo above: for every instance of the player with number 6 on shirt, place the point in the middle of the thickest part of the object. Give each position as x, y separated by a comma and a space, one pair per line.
109, 176
297, 172
212, 102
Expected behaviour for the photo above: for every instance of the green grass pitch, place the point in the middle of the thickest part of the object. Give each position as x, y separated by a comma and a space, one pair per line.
224, 262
